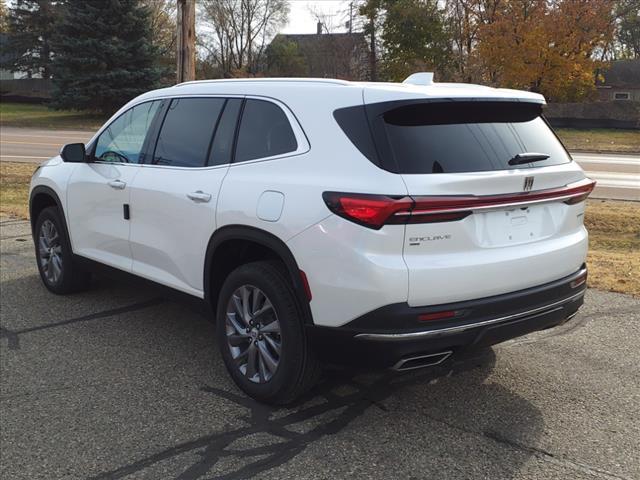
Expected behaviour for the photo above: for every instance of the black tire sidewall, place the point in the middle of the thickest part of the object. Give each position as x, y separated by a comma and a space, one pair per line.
267, 278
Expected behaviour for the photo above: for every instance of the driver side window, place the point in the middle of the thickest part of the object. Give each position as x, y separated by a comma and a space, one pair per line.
122, 141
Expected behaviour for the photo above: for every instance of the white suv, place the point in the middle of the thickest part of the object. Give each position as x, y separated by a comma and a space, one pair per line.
382, 225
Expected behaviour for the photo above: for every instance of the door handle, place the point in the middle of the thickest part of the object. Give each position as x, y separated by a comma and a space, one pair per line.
117, 184
199, 196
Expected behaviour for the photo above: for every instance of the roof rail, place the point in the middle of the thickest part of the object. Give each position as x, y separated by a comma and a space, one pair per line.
420, 78
266, 80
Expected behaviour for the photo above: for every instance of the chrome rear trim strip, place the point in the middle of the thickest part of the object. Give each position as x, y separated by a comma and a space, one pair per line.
398, 337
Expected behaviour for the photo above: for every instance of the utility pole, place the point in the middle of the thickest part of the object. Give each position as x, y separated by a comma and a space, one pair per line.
186, 41
373, 61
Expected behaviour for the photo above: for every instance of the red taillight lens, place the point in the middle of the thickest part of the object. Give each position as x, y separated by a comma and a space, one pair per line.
374, 211
581, 192
569, 194
369, 210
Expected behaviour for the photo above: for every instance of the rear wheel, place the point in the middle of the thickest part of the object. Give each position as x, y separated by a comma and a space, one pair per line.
54, 256
261, 334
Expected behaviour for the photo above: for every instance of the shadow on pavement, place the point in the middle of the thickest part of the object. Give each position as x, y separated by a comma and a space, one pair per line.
457, 397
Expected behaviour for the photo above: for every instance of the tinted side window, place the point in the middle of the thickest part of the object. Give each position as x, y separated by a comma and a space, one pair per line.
264, 131
222, 148
187, 131
122, 141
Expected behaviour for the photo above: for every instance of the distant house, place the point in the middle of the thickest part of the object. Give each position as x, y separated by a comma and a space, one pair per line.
332, 55
621, 82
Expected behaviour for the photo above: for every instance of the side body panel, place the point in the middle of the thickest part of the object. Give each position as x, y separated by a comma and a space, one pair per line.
96, 195
350, 269
170, 231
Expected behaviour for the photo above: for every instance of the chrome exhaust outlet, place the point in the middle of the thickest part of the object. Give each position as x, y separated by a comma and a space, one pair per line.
571, 316
411, 363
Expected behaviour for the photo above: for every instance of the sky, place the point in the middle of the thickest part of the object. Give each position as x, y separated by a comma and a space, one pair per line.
301, 20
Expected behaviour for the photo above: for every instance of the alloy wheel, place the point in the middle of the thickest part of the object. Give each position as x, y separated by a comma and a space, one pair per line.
253, 334
50, 252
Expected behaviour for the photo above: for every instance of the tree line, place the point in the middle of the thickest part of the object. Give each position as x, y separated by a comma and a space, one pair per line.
101, 53
555, 47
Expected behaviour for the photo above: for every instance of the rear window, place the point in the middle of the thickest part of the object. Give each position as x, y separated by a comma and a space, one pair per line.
454, 137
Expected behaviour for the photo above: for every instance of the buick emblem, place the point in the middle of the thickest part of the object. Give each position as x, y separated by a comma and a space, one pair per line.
528, 184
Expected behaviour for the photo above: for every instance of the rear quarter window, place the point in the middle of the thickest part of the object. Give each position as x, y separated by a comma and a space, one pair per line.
265, 131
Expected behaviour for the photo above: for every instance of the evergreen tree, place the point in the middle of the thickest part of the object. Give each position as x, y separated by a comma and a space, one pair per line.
104, 55
284, 59
628, 29
414, 38
30, 27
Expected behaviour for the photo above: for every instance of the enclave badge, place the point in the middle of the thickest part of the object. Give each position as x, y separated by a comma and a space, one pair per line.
528, 184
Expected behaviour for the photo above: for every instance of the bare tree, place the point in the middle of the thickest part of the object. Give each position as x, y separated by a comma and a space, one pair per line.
336, 50
465, 18
329, 22
163, 29
370, 19
240, 30
163, 25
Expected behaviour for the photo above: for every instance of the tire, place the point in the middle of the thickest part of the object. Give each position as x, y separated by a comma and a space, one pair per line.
264, 283
54, 257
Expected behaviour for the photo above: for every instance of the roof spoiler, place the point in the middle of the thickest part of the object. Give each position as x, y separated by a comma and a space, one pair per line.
420, 78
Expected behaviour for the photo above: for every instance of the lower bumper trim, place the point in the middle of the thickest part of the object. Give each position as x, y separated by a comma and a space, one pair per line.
400, 337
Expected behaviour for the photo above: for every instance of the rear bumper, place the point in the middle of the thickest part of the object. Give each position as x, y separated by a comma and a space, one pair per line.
392, 335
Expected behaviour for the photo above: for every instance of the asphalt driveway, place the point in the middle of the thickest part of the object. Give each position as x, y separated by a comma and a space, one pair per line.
121, 382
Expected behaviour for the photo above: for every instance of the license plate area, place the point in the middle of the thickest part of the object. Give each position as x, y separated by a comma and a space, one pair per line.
514, 226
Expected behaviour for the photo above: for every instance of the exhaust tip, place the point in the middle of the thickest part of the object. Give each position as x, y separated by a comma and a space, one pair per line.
422, 361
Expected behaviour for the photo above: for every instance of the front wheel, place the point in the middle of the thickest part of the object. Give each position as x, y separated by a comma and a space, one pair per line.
57, 269
261, 334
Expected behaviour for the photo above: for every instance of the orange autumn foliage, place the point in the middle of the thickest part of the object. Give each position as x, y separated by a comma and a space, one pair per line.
547, 46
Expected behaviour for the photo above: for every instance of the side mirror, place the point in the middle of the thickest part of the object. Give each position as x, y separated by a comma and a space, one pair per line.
73, 153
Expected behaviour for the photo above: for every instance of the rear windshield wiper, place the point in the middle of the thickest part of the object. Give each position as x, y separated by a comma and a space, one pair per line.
528, 158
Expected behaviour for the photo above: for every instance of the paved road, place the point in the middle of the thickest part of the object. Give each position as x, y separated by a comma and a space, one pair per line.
120, 382
34, 145
618, 176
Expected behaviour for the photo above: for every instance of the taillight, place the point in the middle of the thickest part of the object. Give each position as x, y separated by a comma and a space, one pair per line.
581, 192
374, 211
569, 194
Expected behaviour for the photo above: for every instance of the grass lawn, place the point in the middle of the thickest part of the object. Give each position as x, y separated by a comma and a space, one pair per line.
614, 245
14, 188
614, 231
600, 140
39, 116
